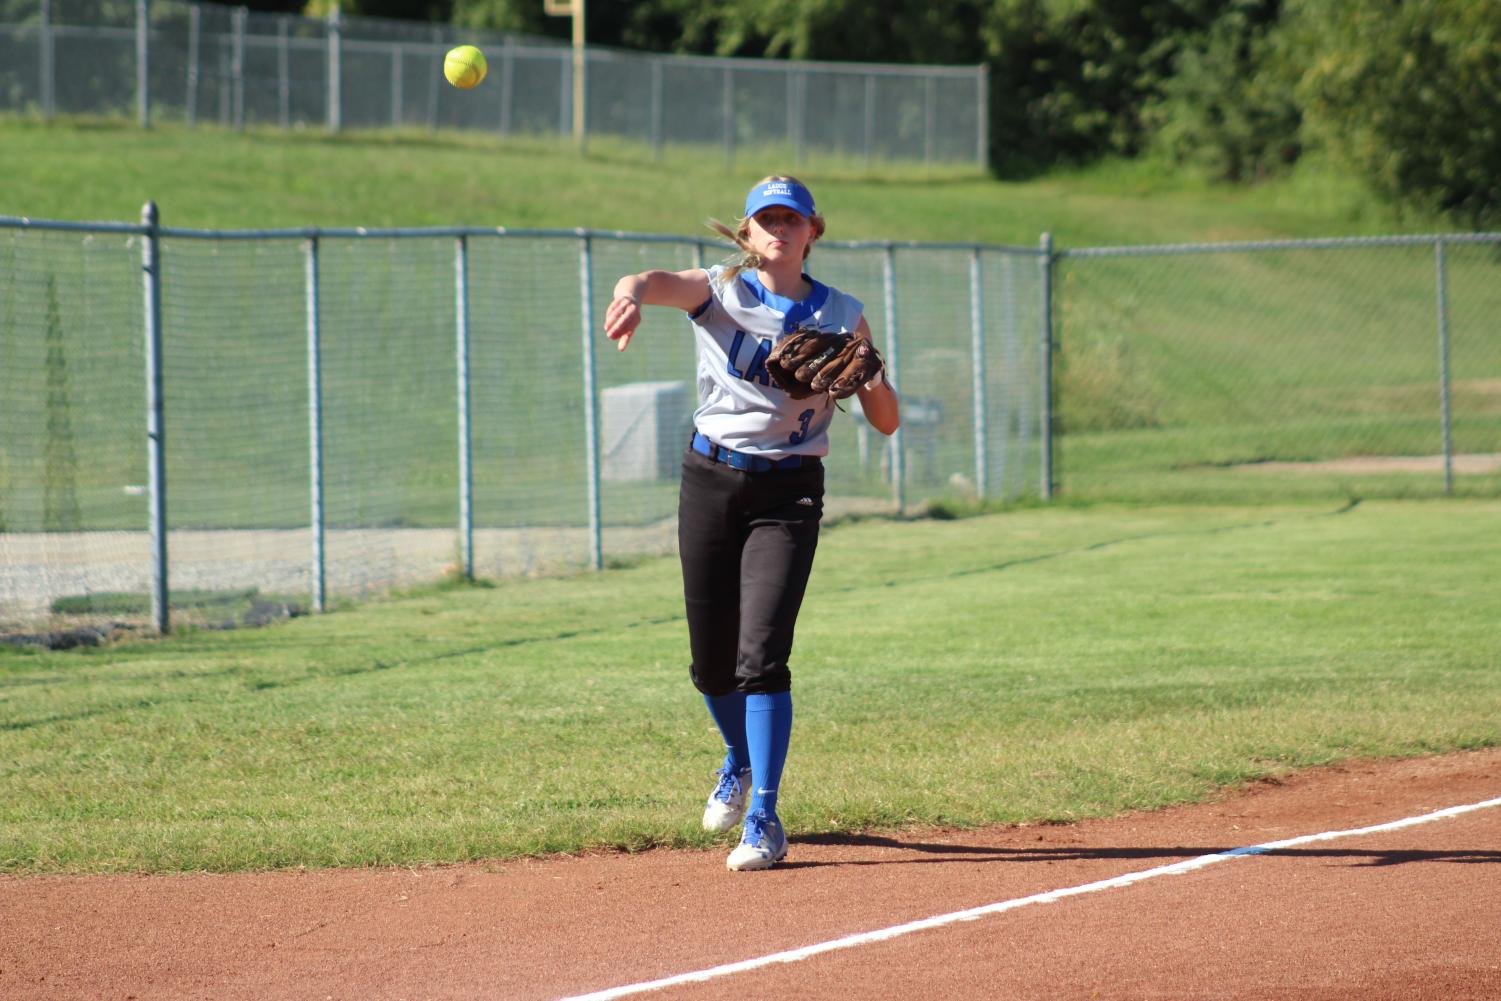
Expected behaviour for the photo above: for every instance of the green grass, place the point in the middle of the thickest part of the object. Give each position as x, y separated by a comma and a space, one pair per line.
265, 178
1040, 664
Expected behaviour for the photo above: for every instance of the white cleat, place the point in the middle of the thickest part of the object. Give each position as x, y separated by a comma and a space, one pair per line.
726, 804
762, 846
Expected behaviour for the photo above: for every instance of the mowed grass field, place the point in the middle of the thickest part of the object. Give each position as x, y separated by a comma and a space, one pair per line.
1044, 664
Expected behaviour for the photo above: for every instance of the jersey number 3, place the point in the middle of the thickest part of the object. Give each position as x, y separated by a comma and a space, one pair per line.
797, 436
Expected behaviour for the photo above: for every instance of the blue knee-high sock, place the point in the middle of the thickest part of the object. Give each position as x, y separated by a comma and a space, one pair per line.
768, 729
729, 715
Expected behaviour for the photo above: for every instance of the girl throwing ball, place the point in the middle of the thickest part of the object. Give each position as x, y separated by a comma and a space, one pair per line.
752, 488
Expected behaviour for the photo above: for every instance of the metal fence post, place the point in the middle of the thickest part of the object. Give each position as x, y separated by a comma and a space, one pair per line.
565, 95
591, 416
507, 84
982, 123
466, 449
580, 79
47, 62
195, 33
691, 376
1442, 295
1046, 350
237, 22
156, 453
800, 154
335, 97
870, 114
727, 112
893, 365
398, 60
977, 360
789, 78
143, 62
656, 108
222, 87
1009, 346
432, 80
315, 424
283, 74
930, 115
799, 86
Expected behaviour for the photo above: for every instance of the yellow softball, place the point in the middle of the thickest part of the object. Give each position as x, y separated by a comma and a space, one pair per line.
464, 66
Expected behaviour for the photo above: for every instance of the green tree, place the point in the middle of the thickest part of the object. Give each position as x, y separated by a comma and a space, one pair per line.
646, 25
1228, 106
1071, 79
397, 10
906, 31
899, 31
1409, 94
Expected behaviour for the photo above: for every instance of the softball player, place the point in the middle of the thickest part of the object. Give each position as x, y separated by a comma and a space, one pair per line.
752, 488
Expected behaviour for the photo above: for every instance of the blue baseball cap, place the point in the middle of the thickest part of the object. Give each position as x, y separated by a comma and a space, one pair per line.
789, 193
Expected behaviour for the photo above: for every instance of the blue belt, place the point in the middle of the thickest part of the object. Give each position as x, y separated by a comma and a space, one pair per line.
744, 460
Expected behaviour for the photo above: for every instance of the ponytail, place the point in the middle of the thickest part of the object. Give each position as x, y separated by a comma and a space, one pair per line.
745, 260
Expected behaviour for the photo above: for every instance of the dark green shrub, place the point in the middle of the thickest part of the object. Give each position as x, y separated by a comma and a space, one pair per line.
1228, 108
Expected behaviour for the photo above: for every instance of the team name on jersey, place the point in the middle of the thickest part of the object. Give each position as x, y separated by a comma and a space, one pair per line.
756, 370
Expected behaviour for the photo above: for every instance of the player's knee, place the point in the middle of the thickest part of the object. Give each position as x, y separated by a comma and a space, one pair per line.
713, 684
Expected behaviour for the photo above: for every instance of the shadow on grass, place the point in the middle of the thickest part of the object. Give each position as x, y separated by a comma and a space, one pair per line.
1349, 506
259, 685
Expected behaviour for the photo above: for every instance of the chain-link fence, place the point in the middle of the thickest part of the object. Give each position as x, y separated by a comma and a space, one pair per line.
1278, 370
333, 413
235, 67
330, 414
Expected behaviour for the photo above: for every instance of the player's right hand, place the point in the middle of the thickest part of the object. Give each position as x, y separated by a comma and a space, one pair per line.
621, 320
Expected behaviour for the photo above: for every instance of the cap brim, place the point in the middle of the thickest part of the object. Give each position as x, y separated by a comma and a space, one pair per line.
782, 200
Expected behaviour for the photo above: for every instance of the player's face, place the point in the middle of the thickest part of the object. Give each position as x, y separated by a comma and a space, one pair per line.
779, 232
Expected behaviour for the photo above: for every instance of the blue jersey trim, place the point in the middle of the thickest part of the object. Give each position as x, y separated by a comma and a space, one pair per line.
793, 311
700, 310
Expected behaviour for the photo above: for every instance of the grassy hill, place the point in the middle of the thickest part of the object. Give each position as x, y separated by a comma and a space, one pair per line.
211, 178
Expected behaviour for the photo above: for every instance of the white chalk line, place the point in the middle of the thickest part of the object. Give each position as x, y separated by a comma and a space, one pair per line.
1051, 896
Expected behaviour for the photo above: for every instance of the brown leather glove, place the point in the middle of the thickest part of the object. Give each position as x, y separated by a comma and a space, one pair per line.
810, 362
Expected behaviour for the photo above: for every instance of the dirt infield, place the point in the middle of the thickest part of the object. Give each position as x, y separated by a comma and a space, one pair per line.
1404, 914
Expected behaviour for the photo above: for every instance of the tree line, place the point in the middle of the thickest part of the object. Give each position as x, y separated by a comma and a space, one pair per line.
1407, 93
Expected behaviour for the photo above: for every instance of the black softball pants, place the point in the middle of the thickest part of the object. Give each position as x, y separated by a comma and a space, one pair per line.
746, 541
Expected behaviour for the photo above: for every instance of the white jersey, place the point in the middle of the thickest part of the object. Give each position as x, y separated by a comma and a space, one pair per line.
740, 407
